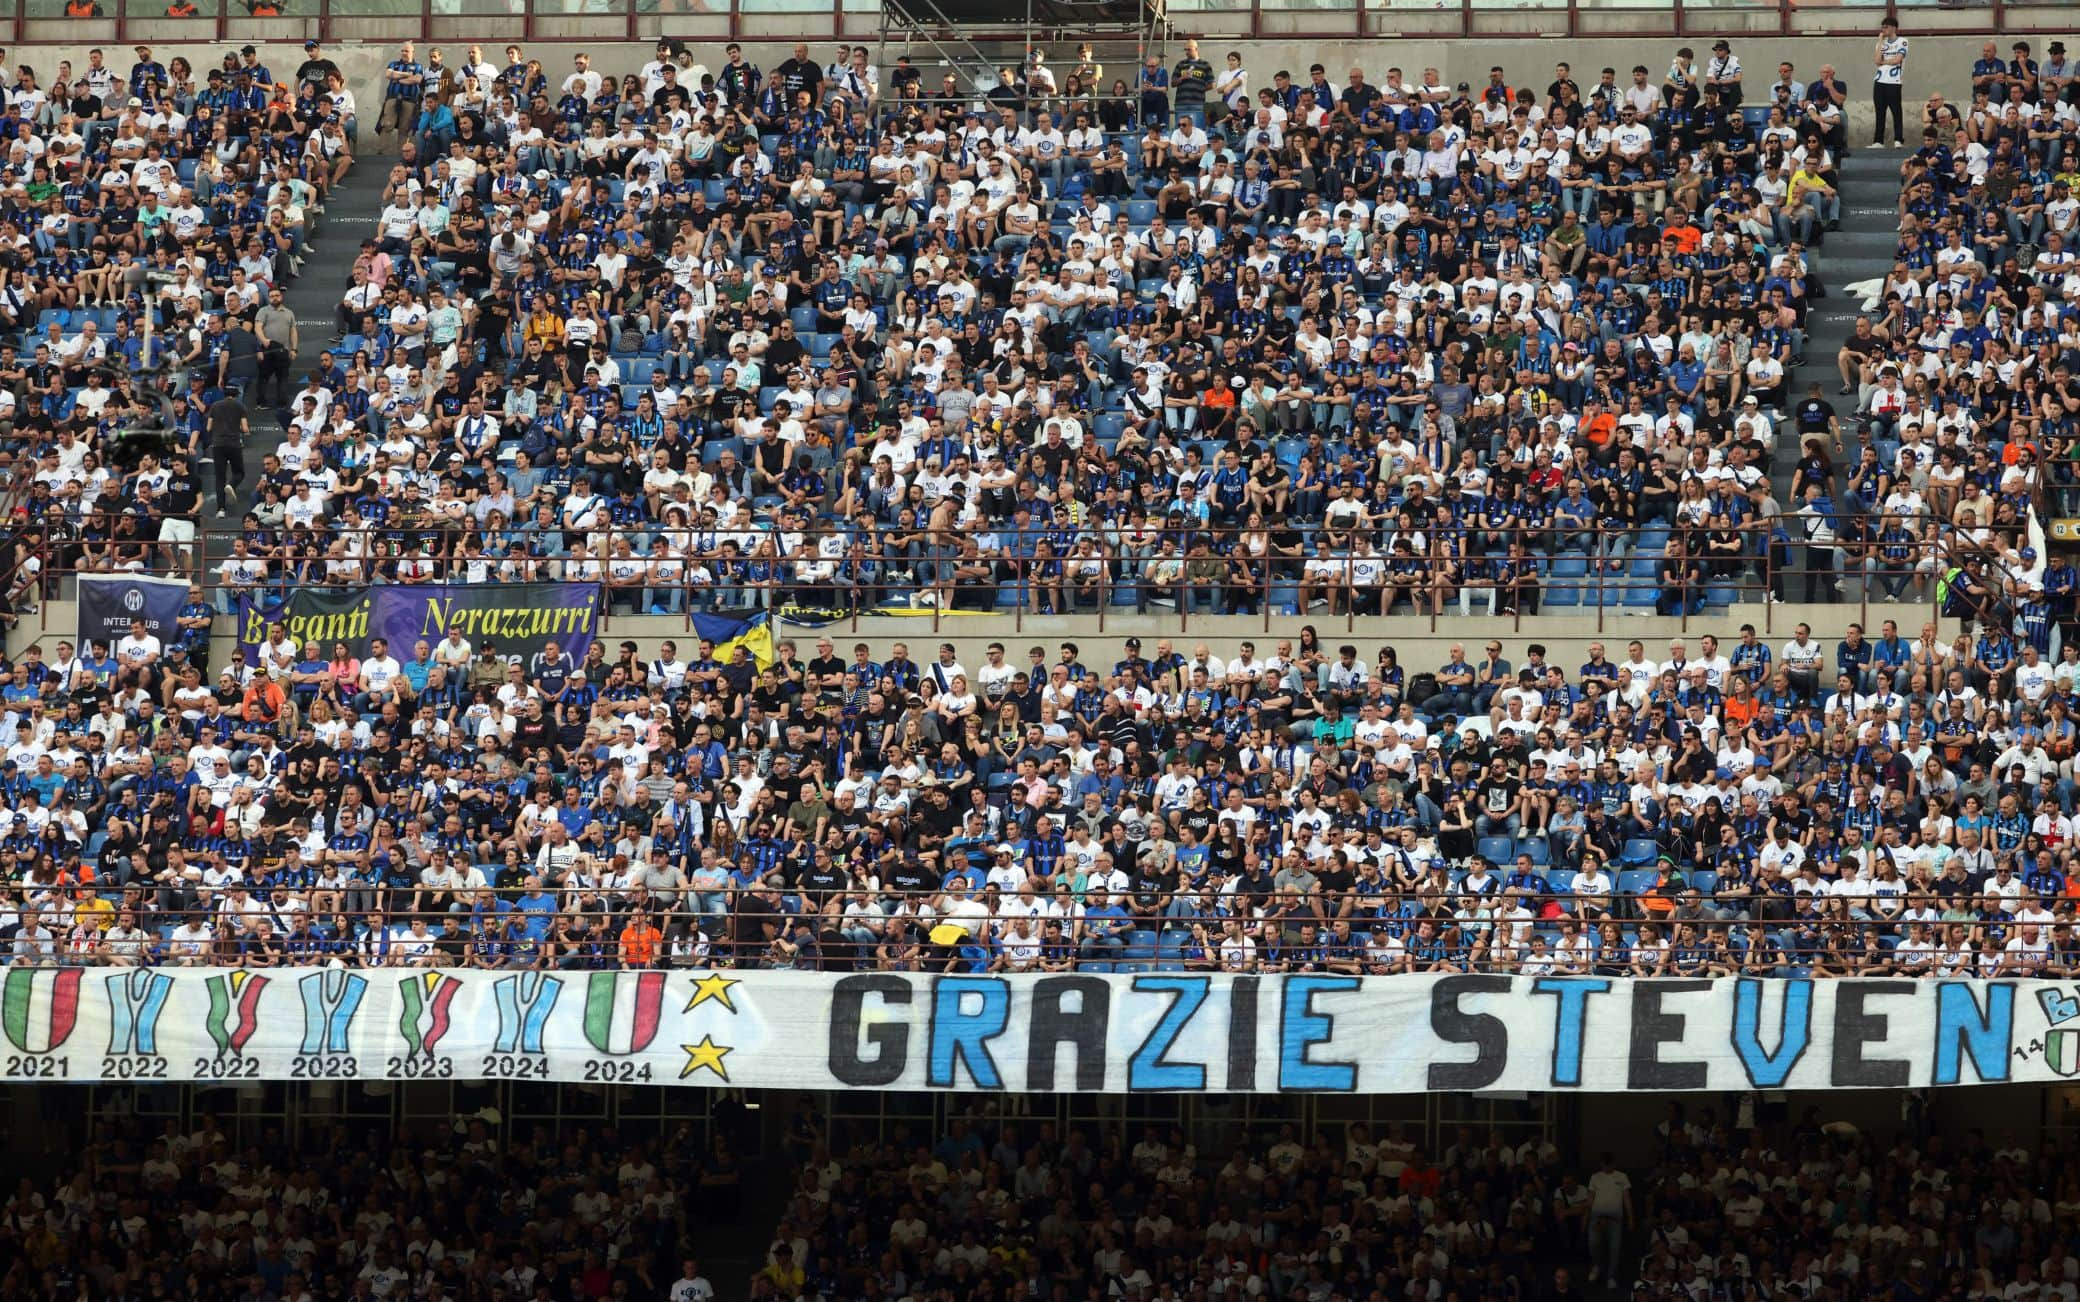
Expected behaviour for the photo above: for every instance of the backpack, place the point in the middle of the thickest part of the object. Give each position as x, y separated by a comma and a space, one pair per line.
1421, 687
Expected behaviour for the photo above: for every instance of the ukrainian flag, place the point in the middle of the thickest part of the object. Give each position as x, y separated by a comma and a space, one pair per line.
754, 635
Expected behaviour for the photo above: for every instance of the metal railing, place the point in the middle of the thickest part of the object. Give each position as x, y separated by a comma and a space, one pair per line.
1662, 929
171, 22
1605, 570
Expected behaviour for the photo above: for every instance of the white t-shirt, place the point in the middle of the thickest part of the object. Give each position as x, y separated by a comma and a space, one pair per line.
380, 671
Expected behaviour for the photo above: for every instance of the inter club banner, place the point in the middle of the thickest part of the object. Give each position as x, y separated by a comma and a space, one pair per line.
109, 602
519, 617
1142, 1034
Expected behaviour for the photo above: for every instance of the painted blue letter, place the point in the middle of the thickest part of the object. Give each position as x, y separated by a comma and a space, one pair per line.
1300, 1026
961, 1036
1984, 1035
1569, 1019
1147, 1071
1768, 1070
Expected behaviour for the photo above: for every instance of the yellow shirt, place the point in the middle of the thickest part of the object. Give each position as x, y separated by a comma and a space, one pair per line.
94, 910
1802, 181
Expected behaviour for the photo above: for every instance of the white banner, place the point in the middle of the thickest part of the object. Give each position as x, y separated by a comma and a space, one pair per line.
1150, 1033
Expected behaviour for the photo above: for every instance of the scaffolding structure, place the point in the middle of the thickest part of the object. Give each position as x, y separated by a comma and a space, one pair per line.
975, 39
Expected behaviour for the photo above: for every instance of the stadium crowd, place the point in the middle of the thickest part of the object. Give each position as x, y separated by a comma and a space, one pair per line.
826, 336
473, 1211
803, 333
992, 1206
1710, 1206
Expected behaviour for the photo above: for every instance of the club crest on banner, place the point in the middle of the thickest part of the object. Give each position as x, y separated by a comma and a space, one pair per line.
621, 1016
234, 1010
2061, 1039
39, 1007
136, 998
422, 1018
330, 1000
524, 1003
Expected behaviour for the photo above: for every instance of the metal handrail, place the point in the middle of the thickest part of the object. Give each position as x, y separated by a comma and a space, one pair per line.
1272, 582
734, 931
39, 22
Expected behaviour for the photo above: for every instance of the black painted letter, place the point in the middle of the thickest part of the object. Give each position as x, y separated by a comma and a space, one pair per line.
1486, 1032
1854, 1028
1652, 1028
891, 1039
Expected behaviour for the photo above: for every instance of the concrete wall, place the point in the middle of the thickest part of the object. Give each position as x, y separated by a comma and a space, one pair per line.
1939, 62
1419, 646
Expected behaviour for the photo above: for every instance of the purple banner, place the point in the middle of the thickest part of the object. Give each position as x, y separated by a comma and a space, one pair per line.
518, 618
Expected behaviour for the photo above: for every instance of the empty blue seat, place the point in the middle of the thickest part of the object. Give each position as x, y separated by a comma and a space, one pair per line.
1639, 850
1635, 881
1140, 212
1496, 849
804, 319
1536, 847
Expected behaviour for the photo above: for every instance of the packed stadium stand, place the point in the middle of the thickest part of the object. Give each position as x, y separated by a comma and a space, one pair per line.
1652, 483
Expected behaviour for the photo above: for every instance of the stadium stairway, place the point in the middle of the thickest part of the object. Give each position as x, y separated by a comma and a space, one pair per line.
1861, 250
350, 217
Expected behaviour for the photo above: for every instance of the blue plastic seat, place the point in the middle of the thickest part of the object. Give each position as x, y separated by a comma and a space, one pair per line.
1496, 849
1635, 881
1639, 850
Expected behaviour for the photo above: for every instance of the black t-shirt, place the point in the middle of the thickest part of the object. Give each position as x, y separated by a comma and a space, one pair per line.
1494, 796
226, 422
315, 71
907, 877
182, 497
823, 665
823, 879
1814, 416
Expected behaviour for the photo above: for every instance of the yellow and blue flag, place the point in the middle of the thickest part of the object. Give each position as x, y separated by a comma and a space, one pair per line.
755, 635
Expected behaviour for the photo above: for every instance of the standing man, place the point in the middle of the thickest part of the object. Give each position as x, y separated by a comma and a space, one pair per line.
404, 84
1611, 1213
1722, 73
276, 326
1888, 84
228, 427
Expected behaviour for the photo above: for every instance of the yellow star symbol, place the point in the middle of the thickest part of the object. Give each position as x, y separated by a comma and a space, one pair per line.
706, 1055
712, 986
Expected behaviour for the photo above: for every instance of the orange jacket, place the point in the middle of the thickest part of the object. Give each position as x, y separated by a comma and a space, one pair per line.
639, 945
